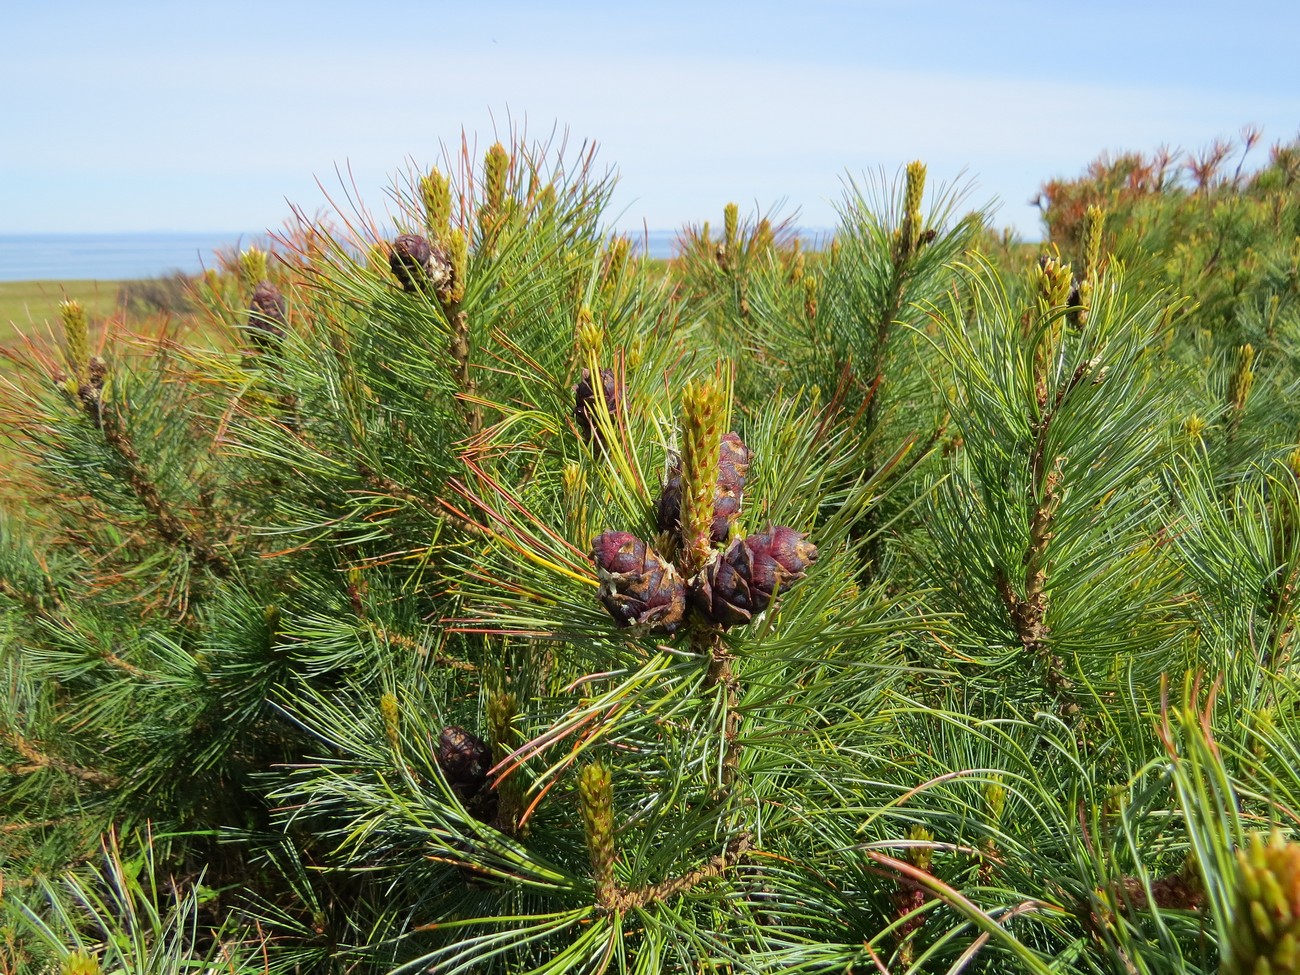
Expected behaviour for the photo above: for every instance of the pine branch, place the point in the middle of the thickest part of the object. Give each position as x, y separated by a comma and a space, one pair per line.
398, 639
167, 525
624, 899
442, 509
38, 760
1028, 612
460, 357
37, 605
707, 641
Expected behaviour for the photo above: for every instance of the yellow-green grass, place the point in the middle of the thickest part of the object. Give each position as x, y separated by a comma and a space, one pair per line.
28, 304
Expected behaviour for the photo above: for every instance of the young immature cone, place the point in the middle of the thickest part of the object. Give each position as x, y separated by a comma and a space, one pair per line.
1080, 299
1242, 379
1264, 930
810, 297
76, 332
465, 759
1094, 220
596, 803
435, 192
617, 254
637, 585
910, 896
253, 265
392, 715
1053, 281
80, 963
584, 402
502, 712
453, 289
907, 239
743, 580
496, 165
914, 188
729, 249
703, 414
267, 316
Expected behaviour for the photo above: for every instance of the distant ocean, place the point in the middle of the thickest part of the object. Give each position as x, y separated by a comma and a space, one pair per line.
117, 257
110, 257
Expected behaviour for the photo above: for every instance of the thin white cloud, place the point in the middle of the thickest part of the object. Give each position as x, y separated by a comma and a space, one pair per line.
687, 133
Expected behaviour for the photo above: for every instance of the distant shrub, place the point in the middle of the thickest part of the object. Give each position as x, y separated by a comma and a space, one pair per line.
168, 294
1202, 225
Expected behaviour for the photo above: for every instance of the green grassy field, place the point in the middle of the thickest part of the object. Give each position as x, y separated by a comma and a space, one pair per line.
27, 303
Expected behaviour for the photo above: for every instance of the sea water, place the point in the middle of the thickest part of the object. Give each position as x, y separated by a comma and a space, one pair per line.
112, 257
121, 257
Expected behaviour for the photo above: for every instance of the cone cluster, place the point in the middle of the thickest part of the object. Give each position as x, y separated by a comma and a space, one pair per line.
639, 587
1264, 934
465, 759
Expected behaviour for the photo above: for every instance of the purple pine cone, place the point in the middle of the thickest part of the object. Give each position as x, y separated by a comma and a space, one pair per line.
465, 759
733, 469
267, 315
584, 402
744, 579
637, 585
420, 265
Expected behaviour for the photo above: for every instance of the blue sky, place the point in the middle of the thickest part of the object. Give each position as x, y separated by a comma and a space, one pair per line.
134, 116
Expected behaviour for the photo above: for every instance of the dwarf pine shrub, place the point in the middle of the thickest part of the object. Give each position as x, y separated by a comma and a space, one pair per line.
470, 594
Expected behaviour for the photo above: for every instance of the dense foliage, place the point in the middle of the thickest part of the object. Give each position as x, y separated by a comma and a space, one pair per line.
476, 595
